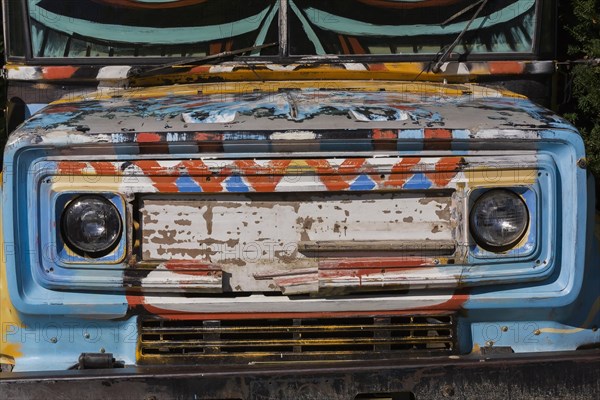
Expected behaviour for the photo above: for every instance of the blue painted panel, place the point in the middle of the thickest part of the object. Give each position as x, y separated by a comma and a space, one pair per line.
363, 182
55, 343
418, 181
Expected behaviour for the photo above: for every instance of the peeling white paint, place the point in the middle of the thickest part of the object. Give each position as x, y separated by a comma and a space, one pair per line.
24, 73
294, 135
355, 67
260, 303
113, 73
214, 117
253, 235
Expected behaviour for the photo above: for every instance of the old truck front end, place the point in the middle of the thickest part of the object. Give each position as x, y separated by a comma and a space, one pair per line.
273, 226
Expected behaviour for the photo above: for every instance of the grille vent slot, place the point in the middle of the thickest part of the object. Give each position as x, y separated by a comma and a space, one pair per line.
289, 339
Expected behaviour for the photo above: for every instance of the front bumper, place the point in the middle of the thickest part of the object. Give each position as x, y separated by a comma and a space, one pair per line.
568, 375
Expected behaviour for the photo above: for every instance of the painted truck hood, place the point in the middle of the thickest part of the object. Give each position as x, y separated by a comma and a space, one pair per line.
297, 112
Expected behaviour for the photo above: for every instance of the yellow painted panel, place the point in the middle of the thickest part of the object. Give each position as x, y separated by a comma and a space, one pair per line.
9, 319
241, 87
500, 177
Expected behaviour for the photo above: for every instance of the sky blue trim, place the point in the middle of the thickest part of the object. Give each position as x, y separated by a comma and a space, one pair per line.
461, 134
32, 108
562, 290
27, 295
53, 344
415, 136
308, 29
521, 335
260, 39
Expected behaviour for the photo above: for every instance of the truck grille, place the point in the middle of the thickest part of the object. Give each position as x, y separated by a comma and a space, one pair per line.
295, 339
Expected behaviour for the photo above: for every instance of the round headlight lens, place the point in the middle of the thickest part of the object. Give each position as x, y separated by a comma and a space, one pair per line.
499, 220
91, 225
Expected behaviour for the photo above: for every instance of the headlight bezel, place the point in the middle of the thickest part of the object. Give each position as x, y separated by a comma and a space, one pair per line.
80, 248
65, 254
477, 237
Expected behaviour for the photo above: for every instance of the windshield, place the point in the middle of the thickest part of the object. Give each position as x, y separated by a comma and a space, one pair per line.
150, 28
410, 27
192, 28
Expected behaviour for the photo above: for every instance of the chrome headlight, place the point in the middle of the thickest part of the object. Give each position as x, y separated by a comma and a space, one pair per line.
499, 219
91, 225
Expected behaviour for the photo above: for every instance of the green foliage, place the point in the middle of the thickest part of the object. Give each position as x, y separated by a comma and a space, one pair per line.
586, 29
585, 32
586, 116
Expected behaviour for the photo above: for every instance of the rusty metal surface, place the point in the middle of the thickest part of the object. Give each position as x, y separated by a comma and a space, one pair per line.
196, 342
194, 108
252, 237
573, 376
